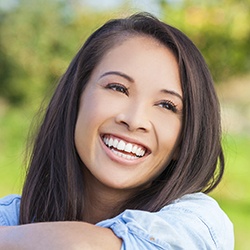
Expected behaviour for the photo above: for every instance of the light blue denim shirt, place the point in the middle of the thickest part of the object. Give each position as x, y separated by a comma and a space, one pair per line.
193, 222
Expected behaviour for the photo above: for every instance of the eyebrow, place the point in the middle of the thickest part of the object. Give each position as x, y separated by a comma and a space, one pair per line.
129, 78
171, 92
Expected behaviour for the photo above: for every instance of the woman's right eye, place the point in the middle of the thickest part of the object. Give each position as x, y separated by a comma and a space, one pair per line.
118, 87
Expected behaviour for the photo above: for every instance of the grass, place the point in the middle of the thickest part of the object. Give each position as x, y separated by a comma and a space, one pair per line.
13, 132
233, 194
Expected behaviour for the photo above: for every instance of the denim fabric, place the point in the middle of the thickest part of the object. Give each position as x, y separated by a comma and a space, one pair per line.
9, 210
194, 222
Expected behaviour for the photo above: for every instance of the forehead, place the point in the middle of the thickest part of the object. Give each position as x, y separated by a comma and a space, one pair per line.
143, 58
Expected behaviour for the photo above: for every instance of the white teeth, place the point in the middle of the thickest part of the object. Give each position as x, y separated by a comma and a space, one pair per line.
138, 152
134, 149
128, 147
142, 152
115, 143
105, 140
123, 146
110, 143
129, 157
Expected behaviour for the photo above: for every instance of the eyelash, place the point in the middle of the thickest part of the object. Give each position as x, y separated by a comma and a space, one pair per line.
168, 105
118, 87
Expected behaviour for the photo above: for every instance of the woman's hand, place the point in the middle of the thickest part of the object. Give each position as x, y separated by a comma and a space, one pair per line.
58, 235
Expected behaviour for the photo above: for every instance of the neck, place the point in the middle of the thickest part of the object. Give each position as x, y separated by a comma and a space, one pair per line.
102, 202
98, 208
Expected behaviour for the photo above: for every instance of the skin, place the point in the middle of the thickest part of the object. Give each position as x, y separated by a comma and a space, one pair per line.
134, 95
58, 236
141, 104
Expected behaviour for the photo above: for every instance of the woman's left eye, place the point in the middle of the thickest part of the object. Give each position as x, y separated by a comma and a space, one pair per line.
168, 105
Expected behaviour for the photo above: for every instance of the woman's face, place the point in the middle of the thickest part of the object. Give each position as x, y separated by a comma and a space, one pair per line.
130, 115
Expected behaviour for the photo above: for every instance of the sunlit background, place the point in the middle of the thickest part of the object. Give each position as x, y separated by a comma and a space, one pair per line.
39, 38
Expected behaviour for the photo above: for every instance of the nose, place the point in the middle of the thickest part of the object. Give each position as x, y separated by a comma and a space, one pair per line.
135, 118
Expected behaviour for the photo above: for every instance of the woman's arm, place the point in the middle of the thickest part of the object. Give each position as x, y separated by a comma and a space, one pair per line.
58, 235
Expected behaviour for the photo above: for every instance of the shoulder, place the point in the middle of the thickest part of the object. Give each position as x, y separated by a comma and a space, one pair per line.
203, 214
200, 205
194, 221
9, 210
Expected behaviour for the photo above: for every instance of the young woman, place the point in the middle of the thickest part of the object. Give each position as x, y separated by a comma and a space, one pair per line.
129, 145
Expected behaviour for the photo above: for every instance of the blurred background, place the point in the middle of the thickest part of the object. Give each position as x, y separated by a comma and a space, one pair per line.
39, 38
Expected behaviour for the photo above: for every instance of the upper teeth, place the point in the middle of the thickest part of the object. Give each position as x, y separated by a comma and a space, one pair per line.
124, 146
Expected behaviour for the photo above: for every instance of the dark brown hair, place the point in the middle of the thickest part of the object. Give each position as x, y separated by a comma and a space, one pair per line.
54, 187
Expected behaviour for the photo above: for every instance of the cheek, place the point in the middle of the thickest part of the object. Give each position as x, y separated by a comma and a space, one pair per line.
93, 112
97, 104
168, 133
90, 111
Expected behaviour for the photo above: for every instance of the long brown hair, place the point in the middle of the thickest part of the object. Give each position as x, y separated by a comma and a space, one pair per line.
54, 187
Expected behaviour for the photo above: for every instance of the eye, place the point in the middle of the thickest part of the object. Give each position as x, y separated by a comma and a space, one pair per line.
168, 105
118, 87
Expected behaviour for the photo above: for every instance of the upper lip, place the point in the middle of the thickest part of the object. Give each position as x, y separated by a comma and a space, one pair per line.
129, 140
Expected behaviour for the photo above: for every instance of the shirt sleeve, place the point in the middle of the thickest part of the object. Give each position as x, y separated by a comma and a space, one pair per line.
9, 210
192, 222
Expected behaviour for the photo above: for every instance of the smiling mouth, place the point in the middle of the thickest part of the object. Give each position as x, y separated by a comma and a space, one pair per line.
124, 149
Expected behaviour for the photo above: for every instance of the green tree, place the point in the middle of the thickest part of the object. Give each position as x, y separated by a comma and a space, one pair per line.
220, 29
38, 40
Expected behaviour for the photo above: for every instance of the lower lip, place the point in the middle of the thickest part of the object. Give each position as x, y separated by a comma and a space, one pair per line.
120, 159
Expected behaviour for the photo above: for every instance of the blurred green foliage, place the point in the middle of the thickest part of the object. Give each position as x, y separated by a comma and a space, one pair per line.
39, 38
220, 29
